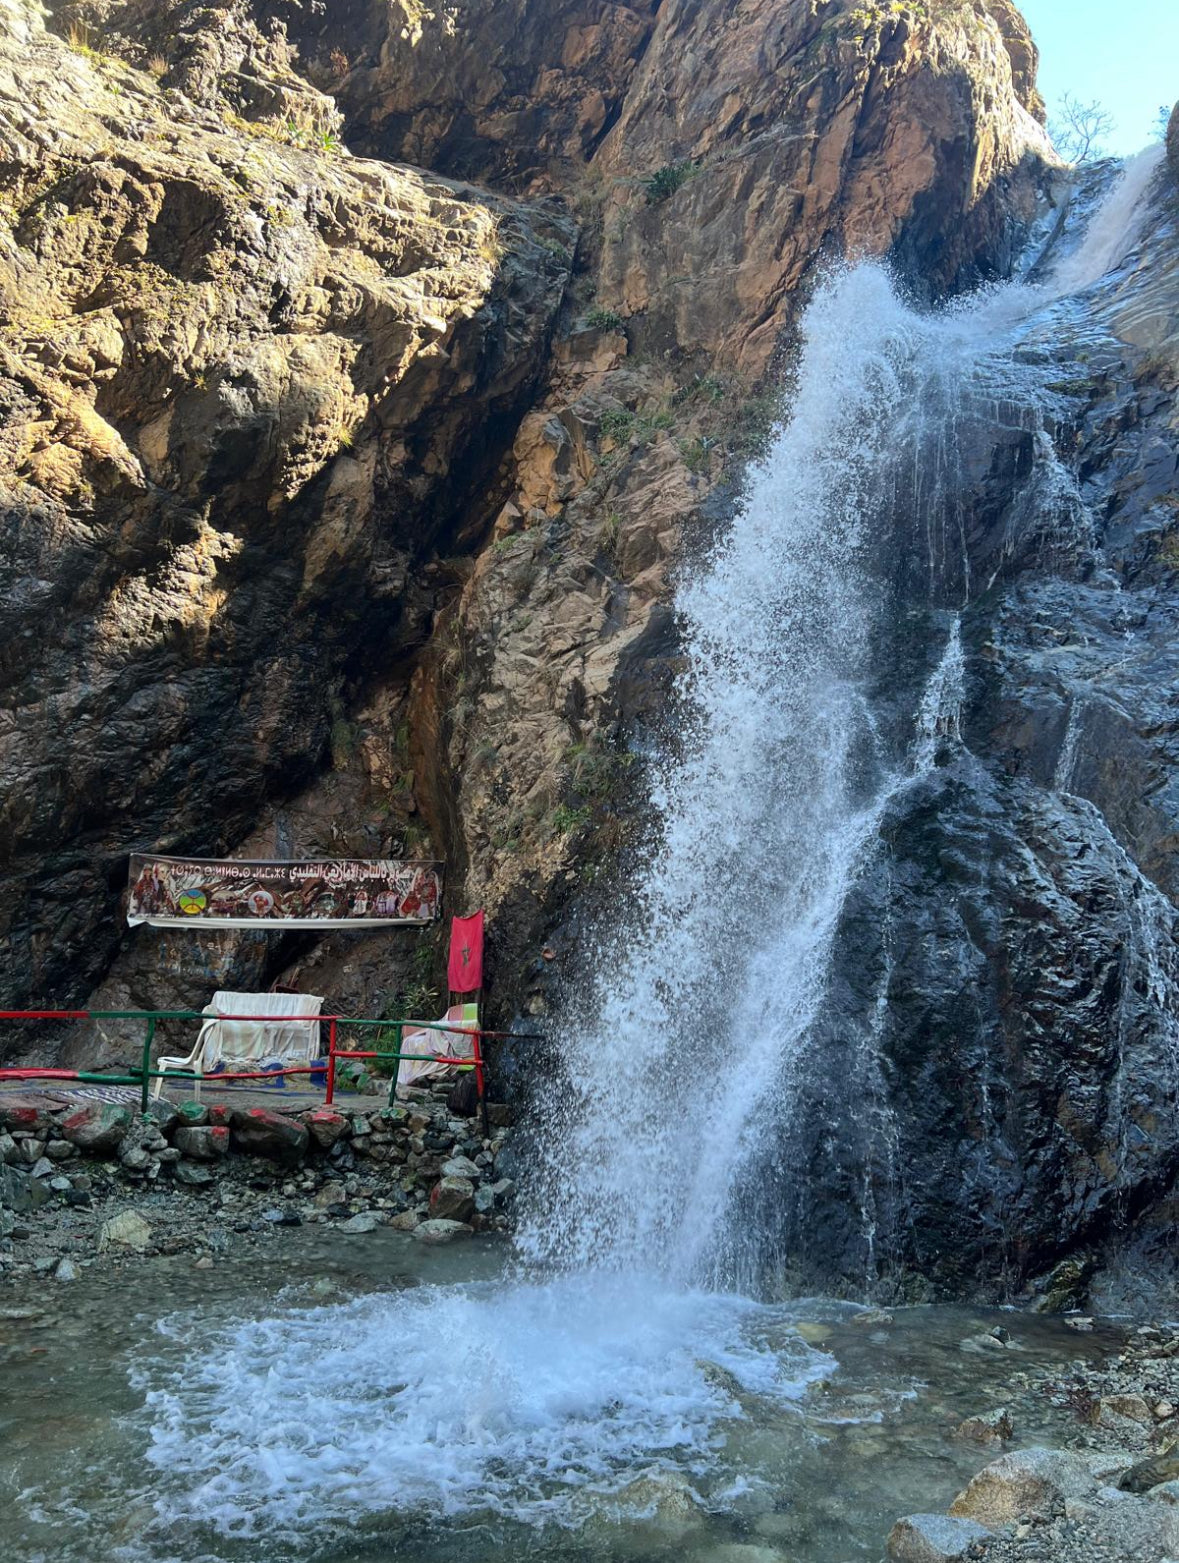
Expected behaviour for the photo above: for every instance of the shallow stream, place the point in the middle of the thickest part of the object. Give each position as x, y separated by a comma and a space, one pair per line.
411, 1403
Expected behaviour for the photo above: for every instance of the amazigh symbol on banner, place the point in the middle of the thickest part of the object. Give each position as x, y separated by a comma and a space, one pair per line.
465, 968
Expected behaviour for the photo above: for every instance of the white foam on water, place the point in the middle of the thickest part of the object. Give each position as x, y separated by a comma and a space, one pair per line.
519, 1399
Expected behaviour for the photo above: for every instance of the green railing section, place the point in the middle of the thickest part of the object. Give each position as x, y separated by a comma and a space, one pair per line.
151, 1018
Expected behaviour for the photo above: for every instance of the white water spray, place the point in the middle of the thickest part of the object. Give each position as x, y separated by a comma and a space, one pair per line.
1116, 226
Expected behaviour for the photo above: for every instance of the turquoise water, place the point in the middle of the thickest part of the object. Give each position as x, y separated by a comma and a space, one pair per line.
344, 1399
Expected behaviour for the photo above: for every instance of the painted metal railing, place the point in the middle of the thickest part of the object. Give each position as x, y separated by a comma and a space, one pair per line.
152, 1017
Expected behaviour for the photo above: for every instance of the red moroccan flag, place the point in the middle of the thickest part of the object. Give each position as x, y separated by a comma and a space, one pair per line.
466, 953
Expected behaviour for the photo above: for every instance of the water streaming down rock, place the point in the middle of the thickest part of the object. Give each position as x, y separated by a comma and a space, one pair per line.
713, 1064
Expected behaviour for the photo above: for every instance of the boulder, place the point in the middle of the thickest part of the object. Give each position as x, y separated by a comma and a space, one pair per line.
163, 1114
20, 1191
1113, 1410
326, 1127
1029, 1484
1146, 1474
460, 1167
933, 1538
25, 1113
441, 1231
193, 1113
406, 1221
330, 1195
126, 1230
98, 1127
260, 1132
452, 1199
205, 1143
365, 1222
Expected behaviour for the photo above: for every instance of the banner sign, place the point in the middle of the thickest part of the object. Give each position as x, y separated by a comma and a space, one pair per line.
178, 892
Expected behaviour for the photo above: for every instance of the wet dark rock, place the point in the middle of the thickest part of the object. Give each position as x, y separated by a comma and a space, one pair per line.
1150, 1473
260, 1132
206, 1143
20, 1192
193, 1174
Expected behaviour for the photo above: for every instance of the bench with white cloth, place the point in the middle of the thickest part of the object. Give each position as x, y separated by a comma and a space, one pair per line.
442, 1044
251, 1043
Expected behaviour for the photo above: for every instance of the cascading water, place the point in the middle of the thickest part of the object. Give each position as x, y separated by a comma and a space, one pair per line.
687, 1050
700, 1009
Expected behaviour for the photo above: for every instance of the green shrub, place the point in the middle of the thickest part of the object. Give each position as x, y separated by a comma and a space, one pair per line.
665, 181
605, 320
616, 424
565, 818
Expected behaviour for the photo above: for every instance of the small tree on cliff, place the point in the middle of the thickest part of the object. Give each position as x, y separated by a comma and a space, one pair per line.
1078, 130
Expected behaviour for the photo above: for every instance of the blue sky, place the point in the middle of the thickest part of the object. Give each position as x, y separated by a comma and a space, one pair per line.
1124, 52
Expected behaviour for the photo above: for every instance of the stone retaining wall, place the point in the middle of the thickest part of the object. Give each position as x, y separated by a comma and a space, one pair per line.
414, 1166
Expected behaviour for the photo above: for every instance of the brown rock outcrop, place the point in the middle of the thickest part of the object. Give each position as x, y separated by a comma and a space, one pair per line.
267, 401
236, 375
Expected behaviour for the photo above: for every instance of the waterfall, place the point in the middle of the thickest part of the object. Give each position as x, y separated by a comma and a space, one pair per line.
684, 1050
686, 1045
1115, 227
622, 1343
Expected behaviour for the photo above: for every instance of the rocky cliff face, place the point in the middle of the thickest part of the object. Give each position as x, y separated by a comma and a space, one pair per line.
1013, 946
341, 488
346, 498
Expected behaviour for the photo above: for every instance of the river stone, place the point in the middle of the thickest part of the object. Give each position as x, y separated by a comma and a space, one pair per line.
135, 1159
43, 1168
66, 1271
20, 1192
992, 1427
329, 1195
441, 1231
1165, 1492
406, 1221
193, 1173
60, 1150
1029, 1484
1153, 1472
126, 1230
204, 1143
452, 1199
933, 1538
1115, 1410
260, 1132
365, 1222
326, 1126
460, 1167
98, 1127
